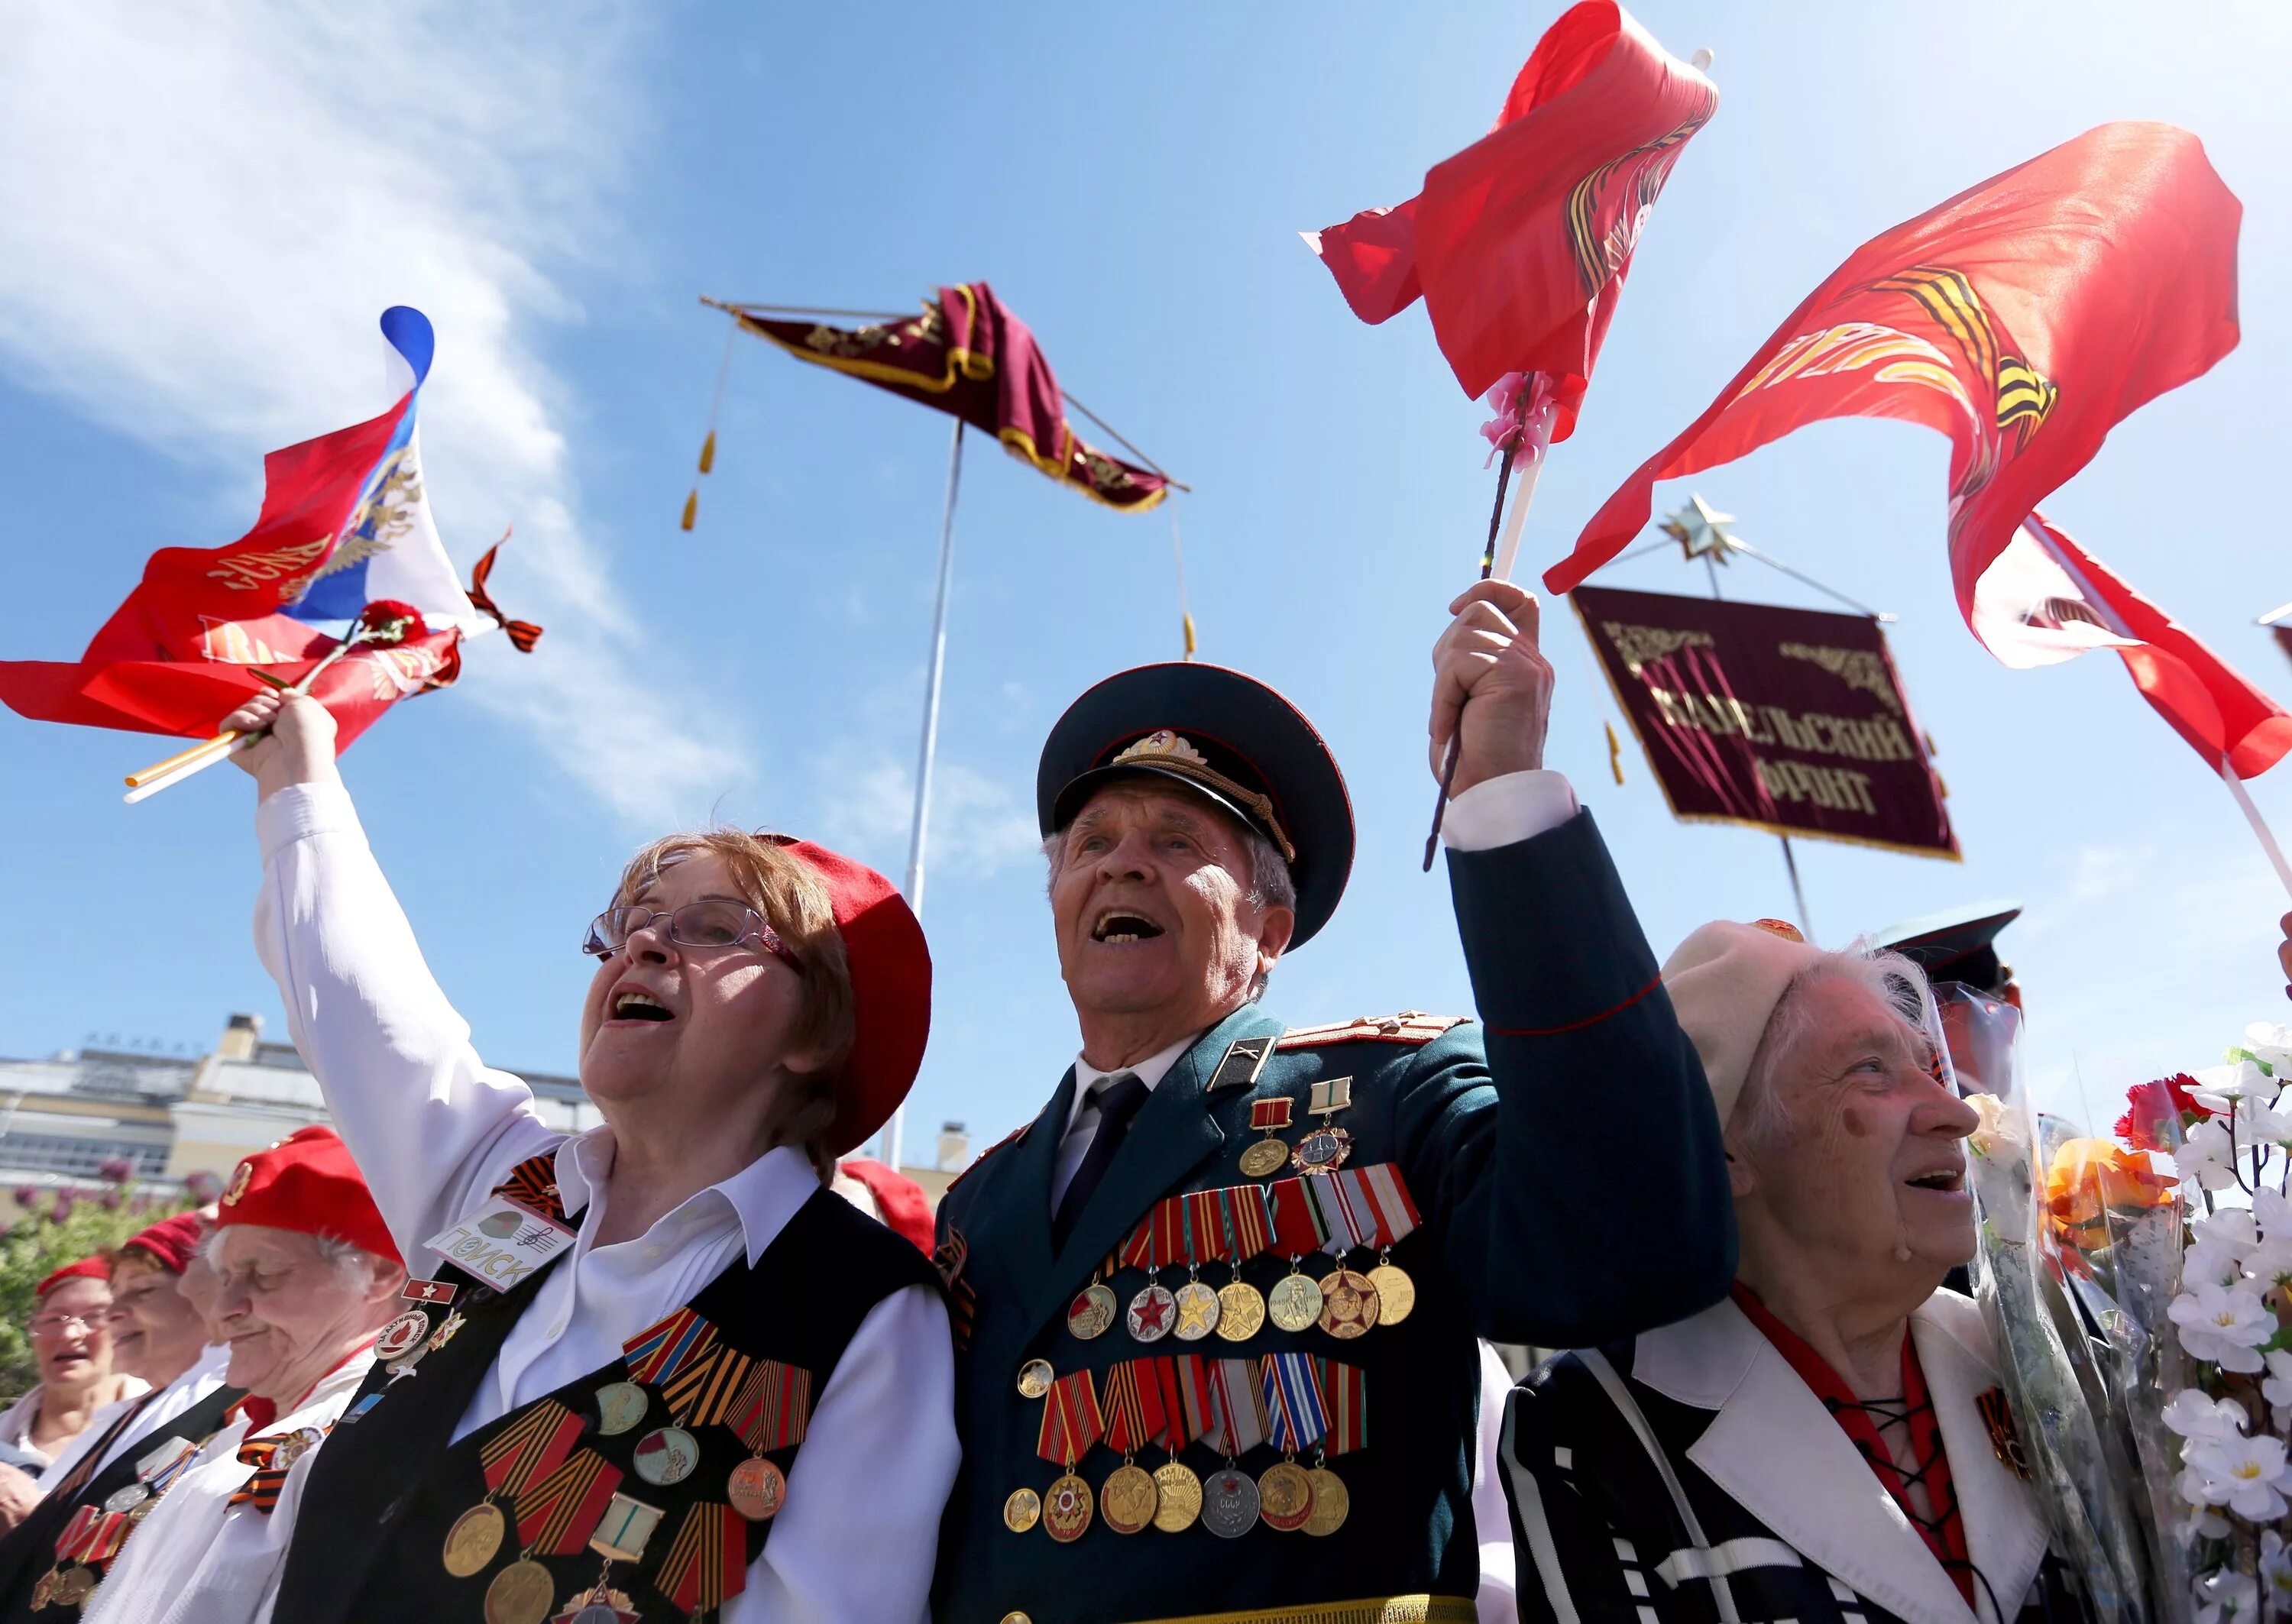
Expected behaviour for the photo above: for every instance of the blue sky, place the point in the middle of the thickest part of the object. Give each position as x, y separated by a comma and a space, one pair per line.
201, 213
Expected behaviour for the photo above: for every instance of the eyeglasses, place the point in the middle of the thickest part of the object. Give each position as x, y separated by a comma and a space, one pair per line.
713, 921
55, 1325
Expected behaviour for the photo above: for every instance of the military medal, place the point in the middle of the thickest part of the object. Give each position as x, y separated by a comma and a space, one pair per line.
1295, 1303
772, 1411
1384, 1216
127, 1498
1092, 1312
1290, 1389
1325, 1149
708, 1561
1181, 1386
532, 1446
576, 1507
1152, 1313
621, 1406
1130, 1406
293, 1446
1035, 1378
1228, 1503
1344, 1409
1198, 1307
1245, 1222
1348, 1304
1269, 1156
666, 1455
1072, 1422
1396, 1292
400, 1335
521, 1594
1331, 1502
1152, 1244
1022, 1510
598, 1605
1285, 1497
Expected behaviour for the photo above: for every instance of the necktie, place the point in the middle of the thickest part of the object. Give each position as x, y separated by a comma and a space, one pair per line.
1119, 1098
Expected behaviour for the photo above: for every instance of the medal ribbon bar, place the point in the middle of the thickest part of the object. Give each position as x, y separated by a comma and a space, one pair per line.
708, 1562
1292, 1391
1344, 1397
1205, 1233
664, 1347
1344, 1219
1295, 1232
531, 1447
162, 1478
707, 1387
774, 1407
557, 1514
1270, 1115
1197, 1410
1071, 1420
1164, 1403
74, 1539
1246, 1220
105, 1539
1386, 1193
1240, 1412
1122, 1405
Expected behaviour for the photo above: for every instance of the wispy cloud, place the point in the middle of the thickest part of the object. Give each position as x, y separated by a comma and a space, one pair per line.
203, 208
977, 826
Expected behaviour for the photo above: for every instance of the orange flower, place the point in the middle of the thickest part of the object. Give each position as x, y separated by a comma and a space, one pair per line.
2092, 1177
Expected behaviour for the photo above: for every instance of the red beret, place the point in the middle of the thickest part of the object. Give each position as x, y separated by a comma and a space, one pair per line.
890, 992
307, 1183
170, 1241
86, 1268
899, 1198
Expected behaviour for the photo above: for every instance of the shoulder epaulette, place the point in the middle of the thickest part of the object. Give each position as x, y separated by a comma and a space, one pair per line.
1408, 1026
979, 1161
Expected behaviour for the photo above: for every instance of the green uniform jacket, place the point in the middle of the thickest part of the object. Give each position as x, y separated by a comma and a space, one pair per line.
1565, 1158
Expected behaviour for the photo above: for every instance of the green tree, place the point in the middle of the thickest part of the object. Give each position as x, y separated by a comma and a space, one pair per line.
58, 1227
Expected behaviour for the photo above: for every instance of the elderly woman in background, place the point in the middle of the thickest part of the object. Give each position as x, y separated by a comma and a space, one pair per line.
308, 1276
1830, 1444
72, 1338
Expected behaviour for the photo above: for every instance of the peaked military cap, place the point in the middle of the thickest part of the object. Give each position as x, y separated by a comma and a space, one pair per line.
1957, 944
1228, 739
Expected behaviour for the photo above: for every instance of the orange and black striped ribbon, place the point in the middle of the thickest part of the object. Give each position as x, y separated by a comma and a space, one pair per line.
666, 1347
1344, 1396
530, 1447
1122, 1406
523, 634
1071, 1421
774, 1409
707, 1389
533, 1182
556, 1516
707, 1564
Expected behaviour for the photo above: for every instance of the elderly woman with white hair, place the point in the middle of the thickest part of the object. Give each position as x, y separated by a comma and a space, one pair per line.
1830, 1445
308, 1276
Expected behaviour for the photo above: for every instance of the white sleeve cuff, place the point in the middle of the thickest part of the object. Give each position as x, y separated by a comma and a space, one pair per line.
302, 810
1502, 810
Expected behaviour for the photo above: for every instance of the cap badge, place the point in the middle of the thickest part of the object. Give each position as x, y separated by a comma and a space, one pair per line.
1163, 746
239, 1180
1777, 927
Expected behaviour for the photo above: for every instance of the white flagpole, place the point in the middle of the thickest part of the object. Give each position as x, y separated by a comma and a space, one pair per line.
928, 751
2259, 824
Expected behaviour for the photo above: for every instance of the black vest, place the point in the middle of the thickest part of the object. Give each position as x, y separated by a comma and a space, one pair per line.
387, 1487
29, 1550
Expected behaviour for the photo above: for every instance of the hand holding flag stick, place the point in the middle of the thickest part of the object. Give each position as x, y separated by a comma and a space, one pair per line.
381, 624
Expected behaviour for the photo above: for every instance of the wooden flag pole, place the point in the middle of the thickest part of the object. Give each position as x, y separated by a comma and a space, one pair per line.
171, 772
1535, 411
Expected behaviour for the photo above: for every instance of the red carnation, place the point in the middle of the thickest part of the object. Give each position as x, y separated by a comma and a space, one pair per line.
2151, 1106
386, 620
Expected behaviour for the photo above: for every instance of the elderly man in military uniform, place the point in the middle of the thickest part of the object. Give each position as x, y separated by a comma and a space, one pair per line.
1216, 1305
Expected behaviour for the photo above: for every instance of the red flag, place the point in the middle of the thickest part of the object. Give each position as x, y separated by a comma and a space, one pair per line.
1519, 244
344, 525
2022, 318
2047, 599
968, 354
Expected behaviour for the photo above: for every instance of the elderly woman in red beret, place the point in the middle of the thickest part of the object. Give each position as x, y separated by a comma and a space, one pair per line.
657, 1369
1830, 1444
307, 1277
70, 1330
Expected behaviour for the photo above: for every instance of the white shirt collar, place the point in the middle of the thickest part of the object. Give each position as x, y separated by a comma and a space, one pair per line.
762, 1197
1150, 1071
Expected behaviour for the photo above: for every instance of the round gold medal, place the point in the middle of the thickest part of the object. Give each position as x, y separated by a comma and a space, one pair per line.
620, 1406
1331, 1502
1198, 1311
1265, 1158
1178, 1497
1035, 1378
1348, 1304
1022, 1510
757, 1489
1285, 1497
521, 1594
1067, 1509
1241, 1311
473, 1539
1396, 1293
73, 1589
44, 1592
1092, 1311
1295, 1303
1128, 1500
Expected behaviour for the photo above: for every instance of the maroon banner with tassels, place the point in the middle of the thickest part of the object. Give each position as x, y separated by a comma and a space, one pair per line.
1790, 720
